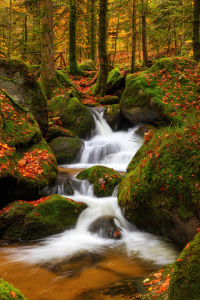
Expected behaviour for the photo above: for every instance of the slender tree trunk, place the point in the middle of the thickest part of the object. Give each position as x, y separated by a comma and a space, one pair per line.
10, 31
100, 87
117, 30
73, 65
25, 33
144, 37
196, 42
133, 37
93, 31
48, 73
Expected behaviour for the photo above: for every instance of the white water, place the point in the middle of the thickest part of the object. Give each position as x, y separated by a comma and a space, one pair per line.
113, 150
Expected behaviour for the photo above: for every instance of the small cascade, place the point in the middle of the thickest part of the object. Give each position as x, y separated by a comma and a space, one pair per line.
101, 126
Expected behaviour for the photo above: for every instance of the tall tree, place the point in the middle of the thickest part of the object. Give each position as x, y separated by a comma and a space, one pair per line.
73, 65
100, 87
93, 31
48, 73
133, 37
196, 41
10, 31
144, 34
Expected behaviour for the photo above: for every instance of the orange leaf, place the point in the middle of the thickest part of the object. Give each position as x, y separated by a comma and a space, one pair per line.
12, 294
187, 246
180, 259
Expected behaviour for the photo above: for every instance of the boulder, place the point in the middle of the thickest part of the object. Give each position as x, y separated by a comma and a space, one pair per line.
113, 116
73, 115
8, 291
18, 80
104, 179
115, 81
27, 164
29, 220
55, 131
87, 65
105, 227
67, 150
64, 79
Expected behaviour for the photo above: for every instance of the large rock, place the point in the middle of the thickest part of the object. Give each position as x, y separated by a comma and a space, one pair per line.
105, 227
73, 115
18, 80
115, 81
104, 179
67, 150
22, 220
26, 162
64, 79
87, 65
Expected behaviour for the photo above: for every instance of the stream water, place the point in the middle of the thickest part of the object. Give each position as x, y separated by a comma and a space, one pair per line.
76, 265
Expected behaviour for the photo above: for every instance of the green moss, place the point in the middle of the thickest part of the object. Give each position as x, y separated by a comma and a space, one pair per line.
66, 149
73, 115
57, 131
114, 77
64, 79
28, 221
104, 179
87, 65
107, 100
185, 281
6, 288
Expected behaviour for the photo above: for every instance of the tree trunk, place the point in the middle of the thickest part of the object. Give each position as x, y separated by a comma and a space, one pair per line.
100, 87
117, 30
196, 42
48, 73
133, 37
93, 31
10, 31
25, 33
144, 38
73, 65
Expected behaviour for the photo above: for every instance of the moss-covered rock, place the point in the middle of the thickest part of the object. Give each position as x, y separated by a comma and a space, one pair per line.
104, 179
26, 162
20, 82
22, 220
113, 116
185, 279
67, 150
105, 227
8, 291
55, 131
144, 129
87, 65
115, 81
106, 100
73, 115
64, 79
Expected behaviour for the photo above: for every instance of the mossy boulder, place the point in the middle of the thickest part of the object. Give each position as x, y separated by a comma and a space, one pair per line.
27, 164
73, 115
185, 279
115, 81
8, 291
113, 116
64, 79
144, 129
22, 220
106, 100
105, 227
87, 65
67, 150
104, 179
161, 192
149, 95
55, 131
20, 82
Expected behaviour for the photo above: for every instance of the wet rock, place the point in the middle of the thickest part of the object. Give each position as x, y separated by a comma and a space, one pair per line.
55, 131
113, 116
67, 150
106, 227
104, 179
115, 81
142, 130
124, 289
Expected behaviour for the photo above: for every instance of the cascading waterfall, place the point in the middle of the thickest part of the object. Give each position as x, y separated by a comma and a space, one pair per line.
115, 150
